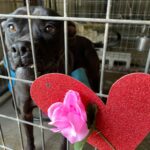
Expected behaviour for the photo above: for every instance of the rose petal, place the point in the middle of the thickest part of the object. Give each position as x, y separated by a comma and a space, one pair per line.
58, 113
75, 120
52, 108
69, 134
72, 102
60, 124
82, 133
69, 117
65, 129
72, 136
79, 125
55, 130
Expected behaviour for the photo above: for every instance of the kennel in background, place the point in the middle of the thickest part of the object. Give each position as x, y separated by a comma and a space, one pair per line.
98, 20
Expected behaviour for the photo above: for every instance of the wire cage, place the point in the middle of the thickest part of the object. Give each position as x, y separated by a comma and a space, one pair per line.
100, 21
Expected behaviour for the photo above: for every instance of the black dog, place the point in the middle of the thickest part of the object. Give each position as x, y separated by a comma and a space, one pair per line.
48, 37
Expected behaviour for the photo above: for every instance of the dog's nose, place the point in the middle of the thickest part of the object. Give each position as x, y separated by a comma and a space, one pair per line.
21, 48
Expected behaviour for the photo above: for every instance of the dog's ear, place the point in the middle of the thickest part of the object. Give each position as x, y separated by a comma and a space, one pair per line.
71, 29
20, 11
2, 23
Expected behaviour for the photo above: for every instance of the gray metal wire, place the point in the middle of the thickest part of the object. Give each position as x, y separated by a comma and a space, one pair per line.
35, 68
66, 47
147, 63
2, 137
79, 19
105, 46
11, 85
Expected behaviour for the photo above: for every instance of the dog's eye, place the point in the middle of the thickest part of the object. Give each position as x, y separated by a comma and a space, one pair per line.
12, 28
50, 29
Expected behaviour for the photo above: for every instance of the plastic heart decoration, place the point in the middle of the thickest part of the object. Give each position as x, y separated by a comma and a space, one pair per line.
124, 121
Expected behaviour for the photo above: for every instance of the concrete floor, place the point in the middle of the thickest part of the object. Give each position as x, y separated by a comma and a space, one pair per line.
52, 141
11, 132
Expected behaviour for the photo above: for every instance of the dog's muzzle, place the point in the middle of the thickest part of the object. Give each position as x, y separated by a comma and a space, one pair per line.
21, 53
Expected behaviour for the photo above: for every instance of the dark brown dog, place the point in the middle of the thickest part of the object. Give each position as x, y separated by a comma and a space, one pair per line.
49, 51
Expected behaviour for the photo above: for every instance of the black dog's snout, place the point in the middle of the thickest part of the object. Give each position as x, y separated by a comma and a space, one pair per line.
21, 48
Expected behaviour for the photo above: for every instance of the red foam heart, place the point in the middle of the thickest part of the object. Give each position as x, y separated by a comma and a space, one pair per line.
124, 120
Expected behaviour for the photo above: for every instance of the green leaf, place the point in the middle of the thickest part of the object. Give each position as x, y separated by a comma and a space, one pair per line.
79, 145
91, 115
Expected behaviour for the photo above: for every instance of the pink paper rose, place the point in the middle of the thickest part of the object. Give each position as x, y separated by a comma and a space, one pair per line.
69, 117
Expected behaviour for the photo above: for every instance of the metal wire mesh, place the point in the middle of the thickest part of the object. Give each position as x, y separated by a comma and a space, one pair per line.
96, 20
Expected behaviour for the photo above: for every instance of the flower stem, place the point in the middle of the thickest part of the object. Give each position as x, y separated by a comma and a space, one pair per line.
106, 140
